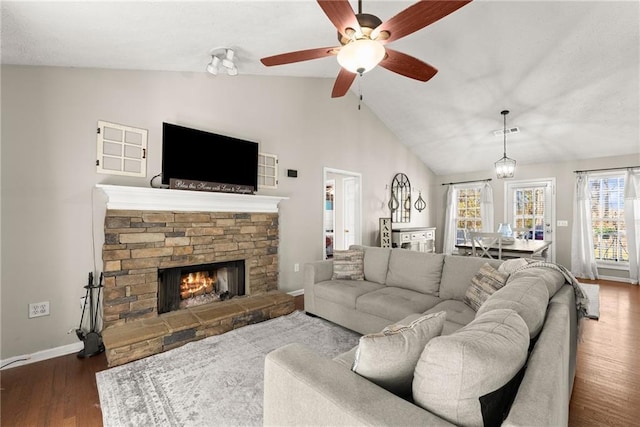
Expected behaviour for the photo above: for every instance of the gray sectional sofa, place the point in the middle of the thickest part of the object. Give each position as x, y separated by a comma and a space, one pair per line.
400, 286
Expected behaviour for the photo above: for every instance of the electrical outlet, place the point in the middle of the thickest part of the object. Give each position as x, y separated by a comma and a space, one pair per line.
296, 267
562, 223
38, 309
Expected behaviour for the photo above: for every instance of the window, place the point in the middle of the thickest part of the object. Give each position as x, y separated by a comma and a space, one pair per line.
468, 212
267, 170
529, 210
607, 218
121, 150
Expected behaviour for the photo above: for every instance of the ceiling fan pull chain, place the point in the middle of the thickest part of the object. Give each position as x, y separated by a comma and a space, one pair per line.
360, 90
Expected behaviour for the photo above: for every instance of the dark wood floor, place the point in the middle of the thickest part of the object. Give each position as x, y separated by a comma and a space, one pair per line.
606, 391
62, 391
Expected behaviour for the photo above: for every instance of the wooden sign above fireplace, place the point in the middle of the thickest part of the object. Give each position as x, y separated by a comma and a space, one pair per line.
188, 184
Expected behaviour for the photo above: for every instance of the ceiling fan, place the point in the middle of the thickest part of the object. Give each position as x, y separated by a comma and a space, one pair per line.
363, 38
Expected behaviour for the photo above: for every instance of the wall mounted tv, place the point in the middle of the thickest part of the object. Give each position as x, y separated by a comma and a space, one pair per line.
193, 154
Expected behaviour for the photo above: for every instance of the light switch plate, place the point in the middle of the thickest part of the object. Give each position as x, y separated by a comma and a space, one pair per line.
563, 223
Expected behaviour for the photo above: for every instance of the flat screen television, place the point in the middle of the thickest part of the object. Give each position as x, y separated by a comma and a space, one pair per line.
193, 154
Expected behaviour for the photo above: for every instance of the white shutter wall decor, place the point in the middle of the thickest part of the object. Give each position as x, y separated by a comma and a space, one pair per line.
267, 170
121, 150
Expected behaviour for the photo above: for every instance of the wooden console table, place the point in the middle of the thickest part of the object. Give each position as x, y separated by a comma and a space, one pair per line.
422, 239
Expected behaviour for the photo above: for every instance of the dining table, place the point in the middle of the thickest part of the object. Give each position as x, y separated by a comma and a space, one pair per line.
519, 248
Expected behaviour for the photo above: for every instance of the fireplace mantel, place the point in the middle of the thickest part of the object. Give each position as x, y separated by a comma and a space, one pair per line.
161, 199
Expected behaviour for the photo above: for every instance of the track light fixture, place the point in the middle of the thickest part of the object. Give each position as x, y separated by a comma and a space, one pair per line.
222, 59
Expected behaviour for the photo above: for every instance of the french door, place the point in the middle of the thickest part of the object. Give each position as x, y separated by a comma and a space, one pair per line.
531, 205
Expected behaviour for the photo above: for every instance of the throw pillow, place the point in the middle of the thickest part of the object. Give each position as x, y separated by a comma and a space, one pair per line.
455, 371
389, 358
486, 281
512, 265
348, 265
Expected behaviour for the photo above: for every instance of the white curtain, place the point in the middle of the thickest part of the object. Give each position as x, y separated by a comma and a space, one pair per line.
583, 262
449, 238
632, 221
486, 208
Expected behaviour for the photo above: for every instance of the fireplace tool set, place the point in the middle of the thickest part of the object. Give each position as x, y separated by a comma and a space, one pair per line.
92, 339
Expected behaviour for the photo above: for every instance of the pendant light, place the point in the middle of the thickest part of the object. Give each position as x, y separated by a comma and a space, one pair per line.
505, 167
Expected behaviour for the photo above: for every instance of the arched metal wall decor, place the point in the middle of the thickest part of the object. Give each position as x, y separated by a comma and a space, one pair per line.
400, 203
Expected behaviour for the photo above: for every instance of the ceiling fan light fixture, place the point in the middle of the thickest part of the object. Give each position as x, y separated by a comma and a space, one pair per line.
505, 167
361, 56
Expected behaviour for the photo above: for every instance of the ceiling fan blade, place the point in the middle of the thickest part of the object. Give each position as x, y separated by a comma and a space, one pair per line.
341, 15
416, 17
299, 55
407, 66
343, 83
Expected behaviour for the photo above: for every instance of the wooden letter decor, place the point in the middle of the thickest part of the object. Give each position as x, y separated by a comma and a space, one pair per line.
385, 232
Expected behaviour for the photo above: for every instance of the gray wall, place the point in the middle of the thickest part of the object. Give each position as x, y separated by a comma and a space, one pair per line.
49, 117
565, 182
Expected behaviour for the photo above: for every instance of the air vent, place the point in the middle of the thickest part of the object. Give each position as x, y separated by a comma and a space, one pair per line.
501, 132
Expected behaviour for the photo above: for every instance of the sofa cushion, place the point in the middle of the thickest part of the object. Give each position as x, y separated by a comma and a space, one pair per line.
395, 303
344, 292
457, 273
376, 264
346, 359
457, 311
552, 278
484, 283
448, 328
348, 265
388, 358
417, 271
526, 296
455, 370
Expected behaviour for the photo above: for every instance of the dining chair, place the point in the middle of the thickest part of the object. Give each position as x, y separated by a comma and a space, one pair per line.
485, 242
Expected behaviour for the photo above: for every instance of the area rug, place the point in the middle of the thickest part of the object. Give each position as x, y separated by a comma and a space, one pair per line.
217, 381
593, 293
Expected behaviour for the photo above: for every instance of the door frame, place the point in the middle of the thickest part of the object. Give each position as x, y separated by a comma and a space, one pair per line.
358, 215
551, 183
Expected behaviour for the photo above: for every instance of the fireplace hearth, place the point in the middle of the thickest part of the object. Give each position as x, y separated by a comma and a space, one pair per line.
189, 286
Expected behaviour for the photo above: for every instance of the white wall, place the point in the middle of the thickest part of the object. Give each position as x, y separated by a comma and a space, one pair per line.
565, 182
49, 117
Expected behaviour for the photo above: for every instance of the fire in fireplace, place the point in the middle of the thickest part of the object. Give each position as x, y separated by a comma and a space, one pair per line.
189, 286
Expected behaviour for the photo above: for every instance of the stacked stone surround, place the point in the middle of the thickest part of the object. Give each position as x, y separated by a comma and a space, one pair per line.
139, 242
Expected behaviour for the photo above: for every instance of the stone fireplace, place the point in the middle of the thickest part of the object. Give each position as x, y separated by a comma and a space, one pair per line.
183, 265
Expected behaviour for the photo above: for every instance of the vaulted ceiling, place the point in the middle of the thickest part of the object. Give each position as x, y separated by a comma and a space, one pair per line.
568, 71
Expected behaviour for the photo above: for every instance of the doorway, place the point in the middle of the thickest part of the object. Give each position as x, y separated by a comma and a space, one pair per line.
342, 210
531, 204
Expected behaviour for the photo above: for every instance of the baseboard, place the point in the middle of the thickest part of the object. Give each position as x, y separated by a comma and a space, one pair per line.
616, 279
39, 356
296, 293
